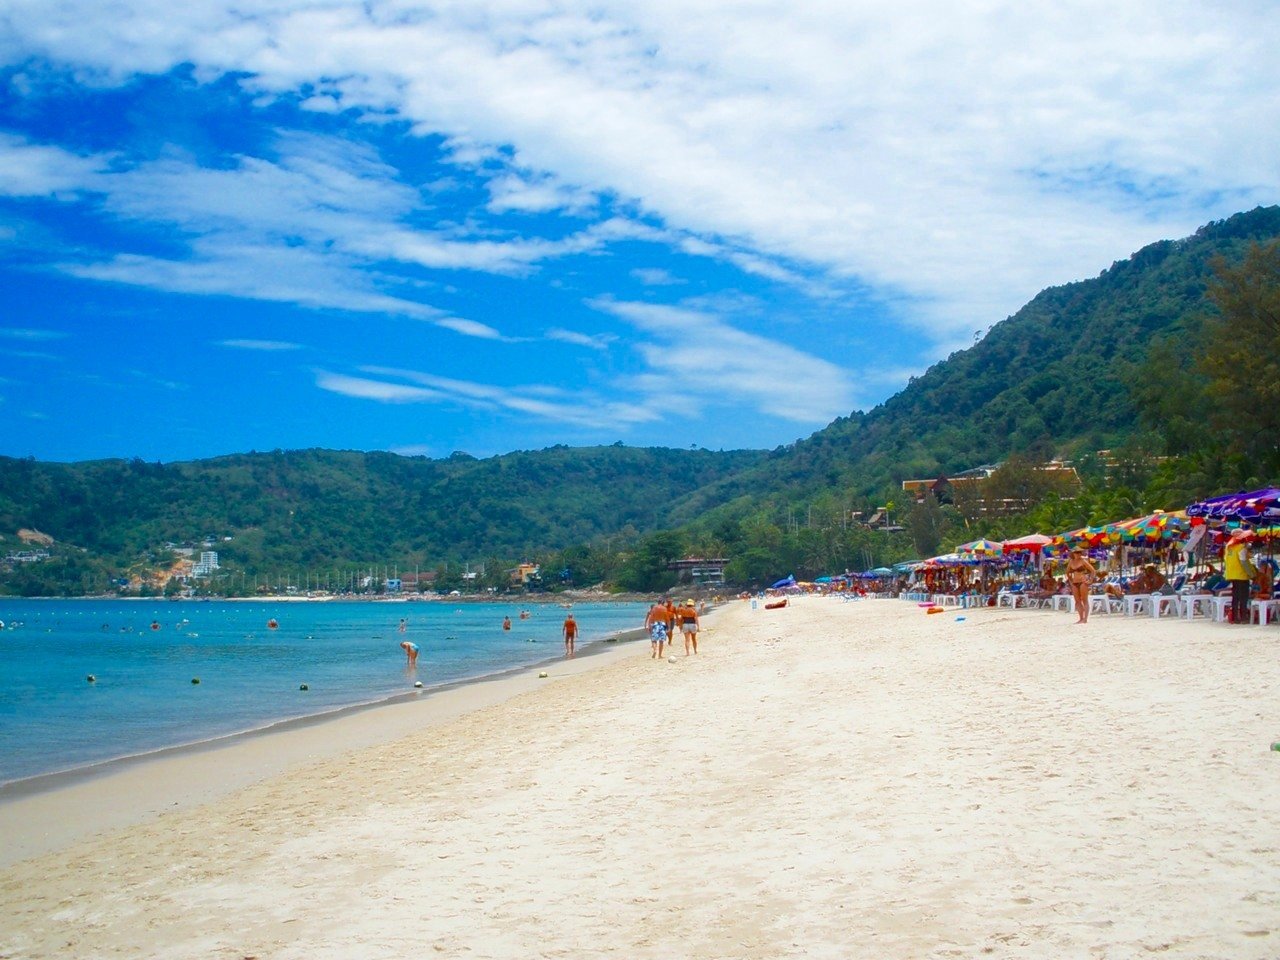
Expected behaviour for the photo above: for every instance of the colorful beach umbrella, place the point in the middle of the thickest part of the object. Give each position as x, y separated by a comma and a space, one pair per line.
980, 548
1253, 506
1080, 537
1148, 529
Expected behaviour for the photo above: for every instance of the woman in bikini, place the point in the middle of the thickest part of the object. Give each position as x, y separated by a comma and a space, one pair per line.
1081, 574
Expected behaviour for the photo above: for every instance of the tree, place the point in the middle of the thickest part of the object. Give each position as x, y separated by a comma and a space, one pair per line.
1241, 357
924, 523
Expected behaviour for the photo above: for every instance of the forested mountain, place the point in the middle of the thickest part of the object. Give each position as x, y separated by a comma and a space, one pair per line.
1109, 362
1063, 376
309, 508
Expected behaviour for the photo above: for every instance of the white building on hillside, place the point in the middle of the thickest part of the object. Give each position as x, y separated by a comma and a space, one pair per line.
208, 563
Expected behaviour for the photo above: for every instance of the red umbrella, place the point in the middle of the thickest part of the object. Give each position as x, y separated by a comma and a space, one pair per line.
1035, 542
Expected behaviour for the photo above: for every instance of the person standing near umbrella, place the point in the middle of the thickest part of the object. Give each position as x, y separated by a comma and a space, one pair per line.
1239, 571
1080, 575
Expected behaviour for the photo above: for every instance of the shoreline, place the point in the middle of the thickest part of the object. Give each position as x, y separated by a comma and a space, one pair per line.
40, 783
55, 800
568, 598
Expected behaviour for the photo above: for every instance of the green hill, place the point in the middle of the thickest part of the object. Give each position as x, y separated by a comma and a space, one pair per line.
1059, 377
309, 509
1063, 376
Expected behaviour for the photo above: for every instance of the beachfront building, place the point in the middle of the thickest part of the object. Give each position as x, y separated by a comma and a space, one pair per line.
207, 564
700, 570
525, 575
970, 486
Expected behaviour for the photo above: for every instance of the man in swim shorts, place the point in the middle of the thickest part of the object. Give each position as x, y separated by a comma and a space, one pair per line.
656, 623
570, 634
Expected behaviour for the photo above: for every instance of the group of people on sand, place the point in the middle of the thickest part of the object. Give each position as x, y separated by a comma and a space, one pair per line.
1239, 576
662, 622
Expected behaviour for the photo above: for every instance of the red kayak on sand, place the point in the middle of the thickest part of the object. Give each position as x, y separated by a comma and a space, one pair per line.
776, 605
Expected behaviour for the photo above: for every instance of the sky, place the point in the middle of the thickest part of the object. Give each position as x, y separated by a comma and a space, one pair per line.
497, 225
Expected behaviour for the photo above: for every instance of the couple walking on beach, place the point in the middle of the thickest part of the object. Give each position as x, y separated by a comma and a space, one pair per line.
662, 621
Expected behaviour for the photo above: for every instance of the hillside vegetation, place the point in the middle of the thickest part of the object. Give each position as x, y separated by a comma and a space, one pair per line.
1168, 359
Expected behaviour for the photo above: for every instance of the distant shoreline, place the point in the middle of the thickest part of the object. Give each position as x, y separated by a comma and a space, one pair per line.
529, 600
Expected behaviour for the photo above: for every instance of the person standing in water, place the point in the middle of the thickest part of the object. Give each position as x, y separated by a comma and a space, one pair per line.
570, 634
506, 623
411, 652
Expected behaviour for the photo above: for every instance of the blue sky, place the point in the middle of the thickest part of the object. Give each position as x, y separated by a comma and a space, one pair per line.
490, 226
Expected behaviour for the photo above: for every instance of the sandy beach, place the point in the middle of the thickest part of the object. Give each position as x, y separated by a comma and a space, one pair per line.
828, 780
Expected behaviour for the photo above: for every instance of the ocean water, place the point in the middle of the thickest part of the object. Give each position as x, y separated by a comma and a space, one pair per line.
143, 699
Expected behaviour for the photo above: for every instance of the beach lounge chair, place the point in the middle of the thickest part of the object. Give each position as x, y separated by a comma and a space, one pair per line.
1101, 603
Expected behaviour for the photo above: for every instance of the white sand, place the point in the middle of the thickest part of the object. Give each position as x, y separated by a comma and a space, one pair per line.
830, 780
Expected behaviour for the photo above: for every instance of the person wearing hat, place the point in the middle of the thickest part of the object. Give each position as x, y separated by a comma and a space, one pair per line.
1239, 571
688, 619
1080, 575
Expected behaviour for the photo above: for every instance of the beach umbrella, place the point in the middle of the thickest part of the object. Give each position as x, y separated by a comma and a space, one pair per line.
1080, 537
980, 548
1035, 542
787, 581
881, 572
1149, 529
1252, 506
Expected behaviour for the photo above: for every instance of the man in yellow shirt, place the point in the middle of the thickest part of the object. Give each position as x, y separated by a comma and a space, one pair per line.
1238, 570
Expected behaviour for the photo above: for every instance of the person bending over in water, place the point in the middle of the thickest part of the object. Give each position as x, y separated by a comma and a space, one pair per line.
410, 651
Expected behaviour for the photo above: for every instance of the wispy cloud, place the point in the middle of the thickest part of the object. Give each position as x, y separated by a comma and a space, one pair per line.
596, 341
394, 385
32, 334
716, 363
265, 346
655, 277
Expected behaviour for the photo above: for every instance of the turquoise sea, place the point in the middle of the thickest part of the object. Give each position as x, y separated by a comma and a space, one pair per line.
143, 656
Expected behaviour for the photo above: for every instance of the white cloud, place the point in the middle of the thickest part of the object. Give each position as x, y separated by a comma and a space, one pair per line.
695, 354
531, 193
955, 158
35, 170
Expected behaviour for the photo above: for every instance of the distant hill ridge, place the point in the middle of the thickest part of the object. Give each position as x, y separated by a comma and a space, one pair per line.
1055, 378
